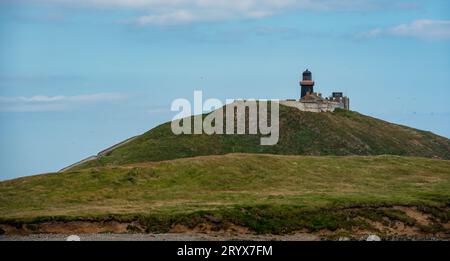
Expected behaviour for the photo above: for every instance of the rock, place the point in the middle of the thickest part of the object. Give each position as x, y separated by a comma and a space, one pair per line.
373, 238
344, 239
73, 238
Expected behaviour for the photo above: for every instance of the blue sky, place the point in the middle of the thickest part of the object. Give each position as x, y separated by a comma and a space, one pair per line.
78, 76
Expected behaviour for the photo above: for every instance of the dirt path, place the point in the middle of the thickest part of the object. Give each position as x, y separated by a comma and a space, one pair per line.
160, 237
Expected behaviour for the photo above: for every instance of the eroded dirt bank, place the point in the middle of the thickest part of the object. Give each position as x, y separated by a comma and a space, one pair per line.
163, 237
390, 223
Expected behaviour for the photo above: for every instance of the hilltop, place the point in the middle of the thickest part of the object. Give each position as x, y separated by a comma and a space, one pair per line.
338, 133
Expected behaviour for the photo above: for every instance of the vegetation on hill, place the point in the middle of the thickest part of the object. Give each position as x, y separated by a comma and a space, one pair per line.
301, 133
266, 193
329, 171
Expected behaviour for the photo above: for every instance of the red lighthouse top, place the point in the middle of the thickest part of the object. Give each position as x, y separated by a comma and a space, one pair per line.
307, 79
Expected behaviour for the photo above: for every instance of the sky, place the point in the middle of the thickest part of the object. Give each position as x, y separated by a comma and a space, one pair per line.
79, 76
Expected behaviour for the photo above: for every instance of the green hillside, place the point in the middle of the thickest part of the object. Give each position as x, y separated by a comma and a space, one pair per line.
301, 133
267, 193
340, 171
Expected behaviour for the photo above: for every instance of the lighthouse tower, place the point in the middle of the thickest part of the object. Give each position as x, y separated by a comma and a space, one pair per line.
307, 84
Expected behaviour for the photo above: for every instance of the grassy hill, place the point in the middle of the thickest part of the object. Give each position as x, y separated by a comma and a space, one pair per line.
340, 171
301, 133
266, 193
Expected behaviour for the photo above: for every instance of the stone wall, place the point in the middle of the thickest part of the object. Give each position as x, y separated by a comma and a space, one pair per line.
321, 106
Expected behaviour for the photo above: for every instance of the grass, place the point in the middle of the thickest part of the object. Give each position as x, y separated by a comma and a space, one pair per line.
268, 193
301, 133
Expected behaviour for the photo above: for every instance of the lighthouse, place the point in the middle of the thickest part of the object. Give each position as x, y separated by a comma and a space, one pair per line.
307, 84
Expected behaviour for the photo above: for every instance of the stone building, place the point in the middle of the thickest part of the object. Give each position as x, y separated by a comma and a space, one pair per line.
313, 101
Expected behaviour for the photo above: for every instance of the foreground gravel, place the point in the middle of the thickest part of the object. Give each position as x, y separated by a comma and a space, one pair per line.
159, 237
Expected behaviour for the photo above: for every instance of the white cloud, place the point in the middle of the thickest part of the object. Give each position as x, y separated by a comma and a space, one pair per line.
237, 4
172, 12
424, 29
371, 34
171, 18
41, 98
53, 103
